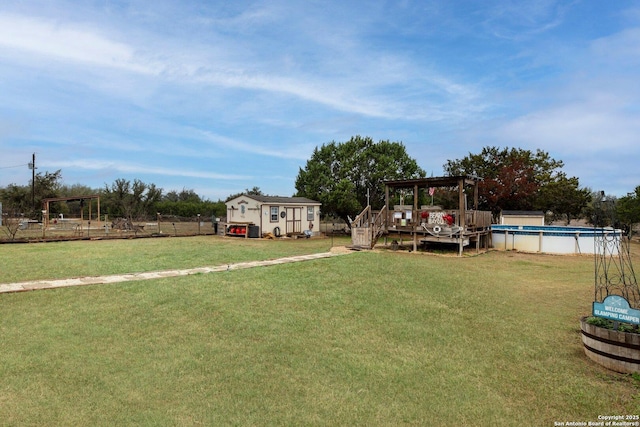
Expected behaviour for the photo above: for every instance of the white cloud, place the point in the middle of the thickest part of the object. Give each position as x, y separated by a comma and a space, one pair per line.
597, 108
237, 86
141, 168
223, 142
521, 20
373, 84
573, 127
622, 46
68, 43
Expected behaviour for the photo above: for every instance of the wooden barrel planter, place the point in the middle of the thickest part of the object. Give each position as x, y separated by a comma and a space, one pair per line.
615, 350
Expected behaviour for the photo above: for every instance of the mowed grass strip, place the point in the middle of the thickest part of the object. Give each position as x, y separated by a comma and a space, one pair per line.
61, 260
364, 339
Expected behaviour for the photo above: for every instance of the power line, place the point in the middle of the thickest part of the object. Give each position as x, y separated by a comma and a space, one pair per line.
16, 166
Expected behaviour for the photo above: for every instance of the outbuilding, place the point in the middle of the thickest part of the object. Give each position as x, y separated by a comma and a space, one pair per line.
253, 215
522, 218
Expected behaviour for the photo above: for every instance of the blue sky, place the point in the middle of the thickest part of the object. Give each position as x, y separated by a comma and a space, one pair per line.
220, 96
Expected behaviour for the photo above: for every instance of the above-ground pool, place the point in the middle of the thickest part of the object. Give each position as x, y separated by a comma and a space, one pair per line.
555, 239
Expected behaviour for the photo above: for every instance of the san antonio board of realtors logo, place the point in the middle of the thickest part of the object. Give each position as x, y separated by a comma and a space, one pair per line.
615, 307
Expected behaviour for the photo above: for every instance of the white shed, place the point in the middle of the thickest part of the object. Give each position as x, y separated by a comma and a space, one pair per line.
522, 218
272, 214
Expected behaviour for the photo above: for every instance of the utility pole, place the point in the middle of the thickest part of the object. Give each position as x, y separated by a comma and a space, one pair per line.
32, 166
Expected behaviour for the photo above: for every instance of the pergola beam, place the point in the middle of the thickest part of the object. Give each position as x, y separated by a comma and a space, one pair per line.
460, 182
45, 205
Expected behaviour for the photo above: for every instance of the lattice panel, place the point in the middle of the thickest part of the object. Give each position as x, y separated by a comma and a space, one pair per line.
614, 273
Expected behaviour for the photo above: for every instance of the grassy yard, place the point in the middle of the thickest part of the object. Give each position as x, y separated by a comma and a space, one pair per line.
59, 260
371, 338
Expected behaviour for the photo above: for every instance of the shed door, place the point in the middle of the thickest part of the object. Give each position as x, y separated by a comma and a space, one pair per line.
294, 220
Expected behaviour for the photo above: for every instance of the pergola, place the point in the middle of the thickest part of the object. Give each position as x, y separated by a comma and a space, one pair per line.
46, 202
461, 182
434, 182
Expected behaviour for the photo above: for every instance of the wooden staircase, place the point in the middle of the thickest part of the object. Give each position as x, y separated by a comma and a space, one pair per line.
367, 228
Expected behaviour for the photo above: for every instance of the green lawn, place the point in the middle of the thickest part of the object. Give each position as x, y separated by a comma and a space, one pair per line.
59, 260
371, 338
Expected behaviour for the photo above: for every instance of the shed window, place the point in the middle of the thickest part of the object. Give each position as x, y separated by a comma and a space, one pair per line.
309, 213
274, 214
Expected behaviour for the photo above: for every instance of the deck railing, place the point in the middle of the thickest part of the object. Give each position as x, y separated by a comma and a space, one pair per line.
367, 227
478, 219
363, 219
473, 220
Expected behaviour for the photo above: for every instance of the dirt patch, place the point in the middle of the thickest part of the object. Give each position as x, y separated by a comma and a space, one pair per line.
340, 250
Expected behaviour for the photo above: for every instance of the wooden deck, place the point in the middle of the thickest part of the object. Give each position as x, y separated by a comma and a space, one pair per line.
425, 224
371, 226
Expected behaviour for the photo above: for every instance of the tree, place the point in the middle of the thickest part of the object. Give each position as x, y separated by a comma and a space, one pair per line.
344, 176
564, 198
255, 191
600, 212
628, 209
192, 209
512, 188
184, 196
11, 226
47, 186
116, 198
122, 198
18, 198
131, 200
152, 196
15, 200
188, 203
516, 179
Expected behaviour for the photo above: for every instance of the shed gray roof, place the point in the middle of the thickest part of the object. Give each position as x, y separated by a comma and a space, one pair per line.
522, 213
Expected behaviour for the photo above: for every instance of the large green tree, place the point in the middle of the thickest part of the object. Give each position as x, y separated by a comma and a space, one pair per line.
343, 176
517, 179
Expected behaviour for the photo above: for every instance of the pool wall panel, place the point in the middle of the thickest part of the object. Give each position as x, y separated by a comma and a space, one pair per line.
553, 239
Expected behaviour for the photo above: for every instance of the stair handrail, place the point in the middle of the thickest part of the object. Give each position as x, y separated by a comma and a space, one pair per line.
377, 226
378, 222
362, 220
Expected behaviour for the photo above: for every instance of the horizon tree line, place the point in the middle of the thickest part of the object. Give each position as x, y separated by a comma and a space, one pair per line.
345, 177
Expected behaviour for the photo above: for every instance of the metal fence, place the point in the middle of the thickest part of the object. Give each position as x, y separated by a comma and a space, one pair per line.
21, 229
